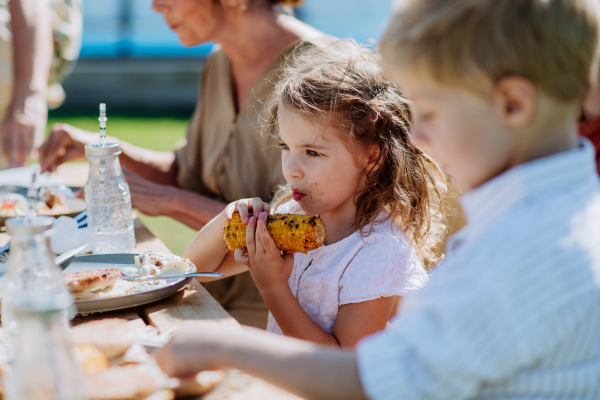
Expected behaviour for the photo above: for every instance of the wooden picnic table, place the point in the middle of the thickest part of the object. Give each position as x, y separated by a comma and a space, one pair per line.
190, 307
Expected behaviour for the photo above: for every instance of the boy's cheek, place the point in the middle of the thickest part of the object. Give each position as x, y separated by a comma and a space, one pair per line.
419, 138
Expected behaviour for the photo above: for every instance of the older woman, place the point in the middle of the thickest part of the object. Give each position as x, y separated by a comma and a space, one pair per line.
225, 158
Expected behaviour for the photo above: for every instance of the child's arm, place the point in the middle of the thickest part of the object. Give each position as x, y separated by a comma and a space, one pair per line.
208, 250
271, 272
316, 373
357, 320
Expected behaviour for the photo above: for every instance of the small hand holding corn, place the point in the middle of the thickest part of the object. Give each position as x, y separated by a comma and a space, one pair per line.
254, 244
292, 233
270, 269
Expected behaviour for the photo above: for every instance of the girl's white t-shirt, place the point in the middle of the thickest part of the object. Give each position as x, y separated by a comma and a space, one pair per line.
353, 270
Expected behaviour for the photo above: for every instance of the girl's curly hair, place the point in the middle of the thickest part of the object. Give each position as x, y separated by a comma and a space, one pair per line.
342, 85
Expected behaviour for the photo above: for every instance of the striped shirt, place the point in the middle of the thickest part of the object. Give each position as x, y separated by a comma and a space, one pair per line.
514, 310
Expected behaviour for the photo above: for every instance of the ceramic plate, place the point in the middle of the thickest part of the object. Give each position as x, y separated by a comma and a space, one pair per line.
120, 261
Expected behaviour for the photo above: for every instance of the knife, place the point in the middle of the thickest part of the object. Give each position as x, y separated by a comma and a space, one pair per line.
67, 255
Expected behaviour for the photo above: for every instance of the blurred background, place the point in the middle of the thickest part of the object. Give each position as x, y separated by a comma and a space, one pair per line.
132, 61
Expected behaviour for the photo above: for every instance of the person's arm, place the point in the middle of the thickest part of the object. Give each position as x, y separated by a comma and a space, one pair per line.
302, 368
66, 143
209, 252
191, 209
208, 249
154, 192
23, 126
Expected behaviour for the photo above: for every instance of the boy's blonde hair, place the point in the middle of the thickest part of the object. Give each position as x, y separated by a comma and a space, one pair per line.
342, 86
551, 43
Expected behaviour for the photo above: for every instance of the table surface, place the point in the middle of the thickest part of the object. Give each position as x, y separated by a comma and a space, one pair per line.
187, 308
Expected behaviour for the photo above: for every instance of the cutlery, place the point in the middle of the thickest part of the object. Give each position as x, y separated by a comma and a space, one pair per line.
153, 278
67, 255
64, 257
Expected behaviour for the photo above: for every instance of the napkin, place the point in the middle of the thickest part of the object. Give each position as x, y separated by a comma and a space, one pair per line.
69, 233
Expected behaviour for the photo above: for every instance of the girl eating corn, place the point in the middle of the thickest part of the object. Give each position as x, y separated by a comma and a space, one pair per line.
347, 157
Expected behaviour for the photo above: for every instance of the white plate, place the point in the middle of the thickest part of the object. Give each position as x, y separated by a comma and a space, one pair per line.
119, 261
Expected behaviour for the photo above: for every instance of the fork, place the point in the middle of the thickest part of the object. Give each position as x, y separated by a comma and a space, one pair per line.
153, 278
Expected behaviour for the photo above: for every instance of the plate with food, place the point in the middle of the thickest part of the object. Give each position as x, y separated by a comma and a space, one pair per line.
53, 202
97, 283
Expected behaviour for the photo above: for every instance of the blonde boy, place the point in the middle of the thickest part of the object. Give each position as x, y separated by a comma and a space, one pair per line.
514, 311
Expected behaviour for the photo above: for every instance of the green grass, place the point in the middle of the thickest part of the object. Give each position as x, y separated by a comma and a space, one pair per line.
155, 133
148, 132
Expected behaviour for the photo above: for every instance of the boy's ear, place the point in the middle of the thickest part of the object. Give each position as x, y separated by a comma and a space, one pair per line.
516, 99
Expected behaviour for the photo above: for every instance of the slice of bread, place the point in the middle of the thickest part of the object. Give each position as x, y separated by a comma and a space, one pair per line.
112, 336
119, 288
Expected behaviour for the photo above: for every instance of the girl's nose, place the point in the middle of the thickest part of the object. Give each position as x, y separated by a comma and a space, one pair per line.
291, 168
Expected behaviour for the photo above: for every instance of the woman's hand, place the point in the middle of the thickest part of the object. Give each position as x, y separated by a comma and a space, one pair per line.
23, 128
147, 196
269, 269
245, 207
64, 143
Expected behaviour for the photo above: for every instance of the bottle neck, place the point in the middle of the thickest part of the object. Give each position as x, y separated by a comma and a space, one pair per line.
104, 169
30, 252
32, 274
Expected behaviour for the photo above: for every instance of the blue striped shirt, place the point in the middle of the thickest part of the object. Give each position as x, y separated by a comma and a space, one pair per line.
514, 310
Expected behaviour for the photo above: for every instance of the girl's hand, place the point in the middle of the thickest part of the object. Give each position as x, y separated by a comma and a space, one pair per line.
245, 206
269, 269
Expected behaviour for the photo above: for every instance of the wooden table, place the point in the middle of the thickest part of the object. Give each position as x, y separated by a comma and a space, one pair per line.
187, 308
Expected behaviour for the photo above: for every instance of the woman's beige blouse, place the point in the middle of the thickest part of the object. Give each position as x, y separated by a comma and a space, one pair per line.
226, 157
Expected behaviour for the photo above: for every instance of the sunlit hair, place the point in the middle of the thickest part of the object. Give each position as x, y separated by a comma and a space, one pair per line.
342, 86
473, 44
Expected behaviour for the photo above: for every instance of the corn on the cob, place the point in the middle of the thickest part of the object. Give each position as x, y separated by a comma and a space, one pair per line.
292, 233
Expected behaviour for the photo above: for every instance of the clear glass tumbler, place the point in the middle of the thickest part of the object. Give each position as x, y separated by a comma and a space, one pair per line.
43, 368
31, 273
108, 201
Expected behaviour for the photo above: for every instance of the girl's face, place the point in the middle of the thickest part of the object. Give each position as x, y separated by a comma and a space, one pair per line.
194, 21
322, 173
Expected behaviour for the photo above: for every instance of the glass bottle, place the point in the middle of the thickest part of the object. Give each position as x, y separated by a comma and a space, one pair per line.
43, 368
31, 273
108, 201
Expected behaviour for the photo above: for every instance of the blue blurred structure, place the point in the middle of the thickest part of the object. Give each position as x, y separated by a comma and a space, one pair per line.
131, 59
129, 28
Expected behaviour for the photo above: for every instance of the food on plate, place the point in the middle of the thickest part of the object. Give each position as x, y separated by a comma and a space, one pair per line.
200, 384
130, 382
89, 358
151, 263
52, 202
52, 198
98, 284
12, 205
93, 280
292, 233
112, 336
120, 288
104, 351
